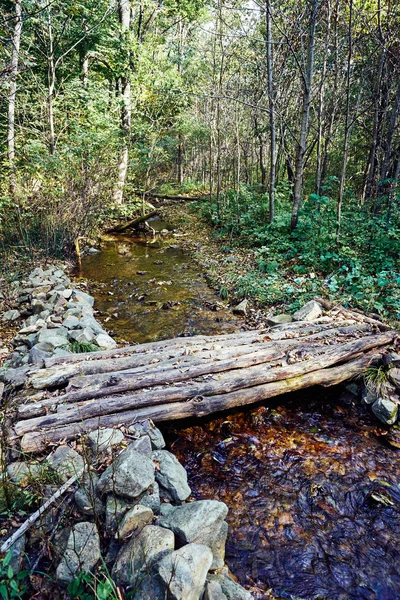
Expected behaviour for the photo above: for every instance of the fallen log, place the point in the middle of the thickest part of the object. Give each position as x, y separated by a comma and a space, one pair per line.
132, 223
37, 441
236, 374
82, 387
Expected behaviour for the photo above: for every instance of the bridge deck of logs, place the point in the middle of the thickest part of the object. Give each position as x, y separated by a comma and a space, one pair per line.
191, 377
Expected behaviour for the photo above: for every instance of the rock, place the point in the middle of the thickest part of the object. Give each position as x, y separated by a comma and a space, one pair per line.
37, 306
83, 336
393, 437
103, 340
171, 477
148, 428
184, 571
309, 312
385, 410
56, 337
279, 319
369, 396
91, 322
21, 473
140, 554
394, 376
93, 250
151, 498
71, 322
231, 589
103, 440
82, 552
83, 298
214, 591
14, 377
134, 520
201, 522
67, 293
149, 587
143, 445
241, 308
66, 462
17, 556
86, 499
129, 475
115, 509
11, 315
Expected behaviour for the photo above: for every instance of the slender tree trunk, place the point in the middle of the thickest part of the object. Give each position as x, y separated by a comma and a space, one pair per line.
124, 10
51, 80
320, 145
302, 145
16, 42
346, 126
271, 104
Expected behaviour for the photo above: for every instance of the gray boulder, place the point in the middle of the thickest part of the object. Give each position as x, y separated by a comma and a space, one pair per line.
11, 315
134, 520
86, 498
138, 556
184, 571
214, 591
394, 376
148, 428
83, 336
83, 298
309, 312
151, 498
71, 322
279, 319
56, 337
241, 308
116, 508
82, 552
21, 473
103, 340
201, 522
128, 476
171, 477
231, 589
385, 410
103, 440
66, 462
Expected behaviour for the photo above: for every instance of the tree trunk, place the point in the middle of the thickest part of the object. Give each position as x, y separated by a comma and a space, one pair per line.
302, 145
124, 10
16, 41
271, 104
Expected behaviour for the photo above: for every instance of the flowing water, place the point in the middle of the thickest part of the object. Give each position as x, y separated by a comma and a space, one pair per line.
313, 492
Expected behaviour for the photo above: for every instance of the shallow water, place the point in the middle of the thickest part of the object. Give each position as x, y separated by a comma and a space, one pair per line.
313, 492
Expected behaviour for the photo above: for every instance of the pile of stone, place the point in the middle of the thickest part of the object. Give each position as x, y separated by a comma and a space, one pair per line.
54, 314
136, 519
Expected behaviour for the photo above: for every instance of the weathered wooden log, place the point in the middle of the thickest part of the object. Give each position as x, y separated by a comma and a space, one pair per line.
229, 380
37, 441
101, 384
289, 330
132, 223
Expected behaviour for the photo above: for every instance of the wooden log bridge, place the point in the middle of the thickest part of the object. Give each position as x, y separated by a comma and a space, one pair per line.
192, 377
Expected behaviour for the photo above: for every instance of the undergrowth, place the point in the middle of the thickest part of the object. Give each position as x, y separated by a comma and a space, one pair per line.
290, 268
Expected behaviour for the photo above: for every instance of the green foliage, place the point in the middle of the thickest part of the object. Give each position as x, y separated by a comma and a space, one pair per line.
88, 586
82, 347
292, 267
12, 586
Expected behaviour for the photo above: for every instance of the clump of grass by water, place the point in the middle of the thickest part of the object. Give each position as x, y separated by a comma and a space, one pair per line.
81, 347
376, 378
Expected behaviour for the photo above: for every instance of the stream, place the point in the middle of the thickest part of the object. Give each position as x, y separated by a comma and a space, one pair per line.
313, 492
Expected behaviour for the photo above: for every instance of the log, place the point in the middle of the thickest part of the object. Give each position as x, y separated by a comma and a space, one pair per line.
297, 329
97, 385
37, 441
132, 223
231, 379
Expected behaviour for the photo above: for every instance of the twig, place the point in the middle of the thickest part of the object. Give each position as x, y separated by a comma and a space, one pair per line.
26, 525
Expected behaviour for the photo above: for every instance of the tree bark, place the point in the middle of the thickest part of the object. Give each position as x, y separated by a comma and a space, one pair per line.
16, 42
271, 104
124, 10
307, 77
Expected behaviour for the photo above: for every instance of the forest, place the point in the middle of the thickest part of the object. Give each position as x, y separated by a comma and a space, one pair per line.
199, 228
285, 117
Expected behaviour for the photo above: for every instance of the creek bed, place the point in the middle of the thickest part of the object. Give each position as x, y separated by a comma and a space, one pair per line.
313, 493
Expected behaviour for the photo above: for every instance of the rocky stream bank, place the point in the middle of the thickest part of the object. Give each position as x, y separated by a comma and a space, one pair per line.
126, 515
